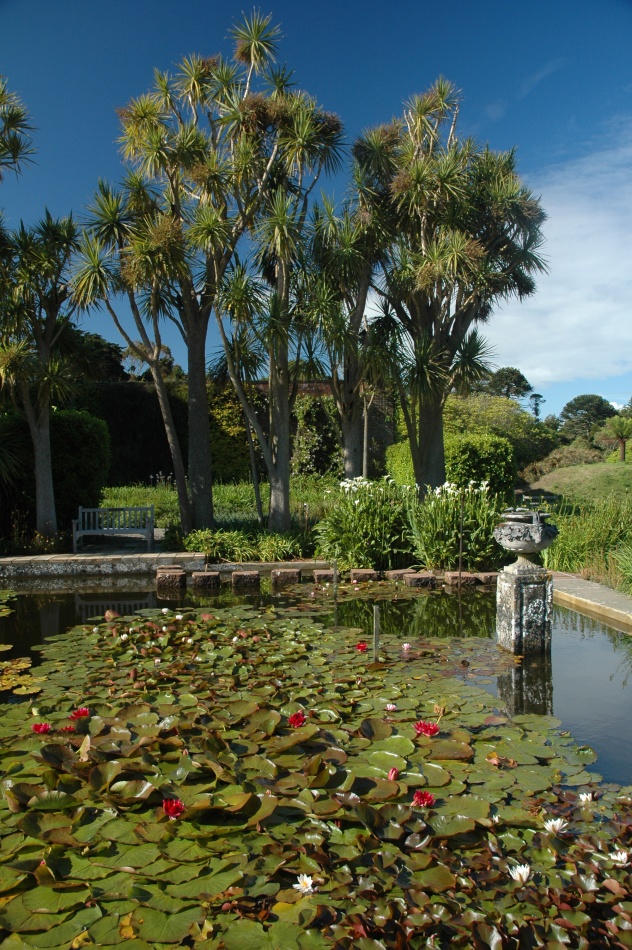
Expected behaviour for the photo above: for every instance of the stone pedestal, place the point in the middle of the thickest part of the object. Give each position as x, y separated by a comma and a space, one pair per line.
524, 601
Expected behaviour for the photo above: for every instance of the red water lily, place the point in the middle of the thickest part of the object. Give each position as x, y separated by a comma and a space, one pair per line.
361, 647
67, 729
297, 719
173, 808
426, 728
393, 774
81, 713
40, 727
423, 799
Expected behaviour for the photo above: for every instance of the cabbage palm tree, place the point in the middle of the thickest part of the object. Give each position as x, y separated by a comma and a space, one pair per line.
211, 144
468, 233
127, 257
37, 309
15, 131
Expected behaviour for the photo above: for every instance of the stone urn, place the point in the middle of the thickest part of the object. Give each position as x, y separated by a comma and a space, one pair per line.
524, 595
524, 532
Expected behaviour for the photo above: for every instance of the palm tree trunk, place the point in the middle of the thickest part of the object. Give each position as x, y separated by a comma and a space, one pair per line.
45, 510
352, 437
253, 471
428, 453
279, 518
200, 473
174, 447
365, 440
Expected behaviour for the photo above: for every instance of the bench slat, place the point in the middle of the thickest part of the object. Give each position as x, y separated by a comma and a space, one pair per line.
133, 520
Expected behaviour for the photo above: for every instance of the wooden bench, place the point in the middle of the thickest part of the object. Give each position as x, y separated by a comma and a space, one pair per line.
114, 522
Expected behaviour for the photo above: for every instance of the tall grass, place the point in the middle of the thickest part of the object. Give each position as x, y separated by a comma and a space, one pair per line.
590, 534
234, 504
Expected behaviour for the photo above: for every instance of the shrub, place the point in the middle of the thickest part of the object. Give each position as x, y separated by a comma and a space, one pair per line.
578, 452
316, 442
367, 526
80, 449
238, 546
468, 458
436, 528
482, 414
80, 446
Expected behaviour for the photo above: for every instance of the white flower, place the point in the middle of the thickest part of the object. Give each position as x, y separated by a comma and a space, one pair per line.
164, 629
521, 873
123, 636
556, 825
586, 797
165, 610
189, 640
156, 662
406, 646
95, 629
494, 819
619, 857
391, 707
235, 639
304, 885
179, 617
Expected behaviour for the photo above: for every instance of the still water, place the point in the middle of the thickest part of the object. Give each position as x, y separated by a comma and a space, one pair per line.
584, 683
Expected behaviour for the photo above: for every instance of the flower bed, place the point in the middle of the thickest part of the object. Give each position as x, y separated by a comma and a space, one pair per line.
245, 778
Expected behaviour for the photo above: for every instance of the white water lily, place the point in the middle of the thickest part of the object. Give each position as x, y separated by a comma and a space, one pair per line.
123, 636
156, 662
165, 610
305, 884
406, 647
179, 616
620, 857
586, 797
521, 873
556, 825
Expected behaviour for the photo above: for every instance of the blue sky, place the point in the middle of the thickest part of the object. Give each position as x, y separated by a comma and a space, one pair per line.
550, 77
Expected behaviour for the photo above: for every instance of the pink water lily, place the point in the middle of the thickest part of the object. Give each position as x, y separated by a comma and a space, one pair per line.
423, 799
426, 728
173, 808
41, 727
393, 774
297, 719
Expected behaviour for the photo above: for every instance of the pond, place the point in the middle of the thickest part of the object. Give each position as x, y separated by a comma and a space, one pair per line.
272, 776
585, 684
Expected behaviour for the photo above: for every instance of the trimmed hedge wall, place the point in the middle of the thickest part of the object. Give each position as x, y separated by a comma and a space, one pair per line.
475, 458
80, 448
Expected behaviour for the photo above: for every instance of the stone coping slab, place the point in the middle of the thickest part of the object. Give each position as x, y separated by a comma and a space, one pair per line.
82, 565
596, 600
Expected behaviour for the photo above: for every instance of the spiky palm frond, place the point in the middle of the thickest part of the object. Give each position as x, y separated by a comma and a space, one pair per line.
255, 40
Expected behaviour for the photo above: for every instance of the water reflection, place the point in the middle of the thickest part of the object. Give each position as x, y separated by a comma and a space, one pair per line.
529, 687
583, 681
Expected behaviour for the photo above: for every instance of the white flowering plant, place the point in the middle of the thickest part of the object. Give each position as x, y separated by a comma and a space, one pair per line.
368, 525
436, 527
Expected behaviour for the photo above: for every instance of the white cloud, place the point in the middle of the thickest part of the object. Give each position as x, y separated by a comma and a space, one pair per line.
579, 323
536, 78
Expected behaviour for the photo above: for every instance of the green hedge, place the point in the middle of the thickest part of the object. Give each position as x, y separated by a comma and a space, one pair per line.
80, 448
468, 458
